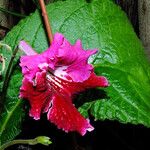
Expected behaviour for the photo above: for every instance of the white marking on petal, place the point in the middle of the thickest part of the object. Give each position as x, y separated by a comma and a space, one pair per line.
52, 58
43, 66
46, 109
90, 128
61, 72
58, 83
49, 109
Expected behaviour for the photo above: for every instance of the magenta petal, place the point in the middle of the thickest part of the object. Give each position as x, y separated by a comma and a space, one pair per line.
63, 114
72, 56
79, 69
95, 81
32, 64
52, 52
37, 93
27, 49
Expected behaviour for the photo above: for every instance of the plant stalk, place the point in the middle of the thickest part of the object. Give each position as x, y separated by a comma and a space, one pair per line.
46, 21
4, 146
38, 140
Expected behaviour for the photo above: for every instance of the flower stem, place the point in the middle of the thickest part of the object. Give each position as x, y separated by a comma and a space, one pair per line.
46, 21
4, 146
38, 140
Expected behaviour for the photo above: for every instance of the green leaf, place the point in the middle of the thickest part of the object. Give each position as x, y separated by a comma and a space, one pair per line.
99, 24
9, 126
13, 113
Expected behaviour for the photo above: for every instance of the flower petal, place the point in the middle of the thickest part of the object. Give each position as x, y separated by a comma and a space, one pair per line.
30, 65
95, 81
37, 93
63, 114
27, 49
92, 82
78, 69
72, 56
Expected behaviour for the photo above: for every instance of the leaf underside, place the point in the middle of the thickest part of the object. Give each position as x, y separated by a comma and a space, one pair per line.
99, 24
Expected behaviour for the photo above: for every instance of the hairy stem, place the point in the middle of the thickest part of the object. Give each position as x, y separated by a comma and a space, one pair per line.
46, 21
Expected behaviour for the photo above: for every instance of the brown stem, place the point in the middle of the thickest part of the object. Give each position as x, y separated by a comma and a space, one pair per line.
46, 20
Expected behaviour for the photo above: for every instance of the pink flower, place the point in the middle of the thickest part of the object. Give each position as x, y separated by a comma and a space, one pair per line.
53, 77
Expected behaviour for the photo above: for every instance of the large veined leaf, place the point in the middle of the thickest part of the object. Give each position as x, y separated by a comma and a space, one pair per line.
99, 24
